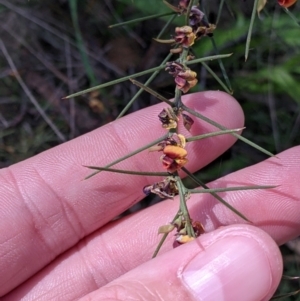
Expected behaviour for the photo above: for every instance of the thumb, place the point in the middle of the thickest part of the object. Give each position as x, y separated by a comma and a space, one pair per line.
233, 263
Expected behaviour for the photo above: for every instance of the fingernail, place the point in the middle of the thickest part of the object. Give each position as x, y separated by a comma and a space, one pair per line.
233, 268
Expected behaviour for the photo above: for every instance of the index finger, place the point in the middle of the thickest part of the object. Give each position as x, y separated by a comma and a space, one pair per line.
46, 208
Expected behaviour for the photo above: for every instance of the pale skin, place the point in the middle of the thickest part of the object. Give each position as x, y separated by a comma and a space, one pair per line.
57, 241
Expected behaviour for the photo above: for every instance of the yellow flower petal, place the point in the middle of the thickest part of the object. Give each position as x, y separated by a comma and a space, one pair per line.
174, 151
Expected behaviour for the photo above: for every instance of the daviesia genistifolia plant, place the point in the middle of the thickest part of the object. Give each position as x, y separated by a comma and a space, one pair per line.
171, 147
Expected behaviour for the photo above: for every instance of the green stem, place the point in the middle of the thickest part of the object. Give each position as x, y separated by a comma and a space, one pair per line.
219, 11
183, 207
177, 99
187, 16
80, 43
250, 29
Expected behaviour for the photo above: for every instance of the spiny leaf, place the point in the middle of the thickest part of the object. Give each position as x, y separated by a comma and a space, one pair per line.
212, 134
253, 187
185, 108
250, 29
283, 296
151, 91
170, 41
130, 154
217, 78
199, 182
141, 19
129, 172
158, 68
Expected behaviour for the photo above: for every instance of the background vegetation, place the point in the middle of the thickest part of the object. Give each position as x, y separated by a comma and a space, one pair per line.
51, 49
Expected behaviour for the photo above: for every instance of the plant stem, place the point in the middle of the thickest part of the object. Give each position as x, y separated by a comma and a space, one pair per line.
183, 207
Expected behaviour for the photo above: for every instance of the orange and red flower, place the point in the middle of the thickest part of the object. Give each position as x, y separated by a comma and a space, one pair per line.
185, 78
185, 36
181, 226
174, 158
286, 3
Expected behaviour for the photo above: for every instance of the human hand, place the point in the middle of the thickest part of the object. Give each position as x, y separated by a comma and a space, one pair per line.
58, 241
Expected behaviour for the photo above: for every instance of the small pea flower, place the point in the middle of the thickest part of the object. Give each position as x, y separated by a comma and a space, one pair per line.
180, 225
182, 236
168, 118
185, 36
186, 80
198, 228
205, 31
173, 140
286, 3
174, 158
183, 239
196, 17
174, 154
174, 68
183, 4
164, 189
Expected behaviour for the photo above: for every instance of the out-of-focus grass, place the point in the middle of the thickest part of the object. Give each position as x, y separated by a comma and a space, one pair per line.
56, 54
42, 39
